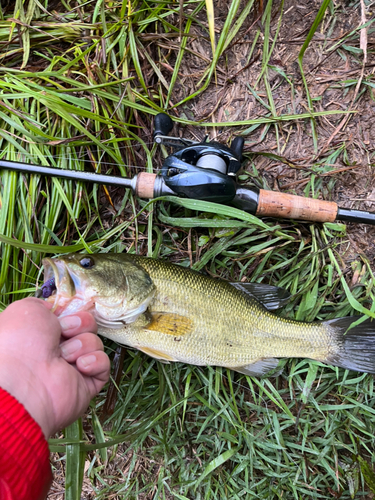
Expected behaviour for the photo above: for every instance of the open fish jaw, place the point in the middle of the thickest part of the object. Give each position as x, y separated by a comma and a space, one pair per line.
74, 292
69, 296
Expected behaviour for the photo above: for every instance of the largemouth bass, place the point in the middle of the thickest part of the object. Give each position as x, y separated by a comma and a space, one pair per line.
175, 314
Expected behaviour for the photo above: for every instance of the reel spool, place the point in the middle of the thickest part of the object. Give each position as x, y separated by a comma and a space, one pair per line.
213, 162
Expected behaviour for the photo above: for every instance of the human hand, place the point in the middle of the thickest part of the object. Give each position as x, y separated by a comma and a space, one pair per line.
54, 367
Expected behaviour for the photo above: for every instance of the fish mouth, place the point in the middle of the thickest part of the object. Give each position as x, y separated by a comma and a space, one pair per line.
70, 290
65, 289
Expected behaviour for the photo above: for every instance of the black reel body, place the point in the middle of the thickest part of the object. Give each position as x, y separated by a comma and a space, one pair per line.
204, 171
191, 181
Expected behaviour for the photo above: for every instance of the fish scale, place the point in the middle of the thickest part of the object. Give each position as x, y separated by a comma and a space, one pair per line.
182, 315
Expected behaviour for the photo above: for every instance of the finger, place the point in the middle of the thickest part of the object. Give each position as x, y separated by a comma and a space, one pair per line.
29, 302
42, 325
97, 366
80, 322
46, 304
34, 300
84, 343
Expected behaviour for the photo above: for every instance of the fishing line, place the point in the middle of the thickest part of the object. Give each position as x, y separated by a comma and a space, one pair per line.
73, 156
81, 146
73, 160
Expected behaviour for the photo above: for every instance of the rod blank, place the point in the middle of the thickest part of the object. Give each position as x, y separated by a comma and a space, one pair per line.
74, 175
258, 202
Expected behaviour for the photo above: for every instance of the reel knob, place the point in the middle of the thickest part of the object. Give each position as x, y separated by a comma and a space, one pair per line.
163, 124
237, 147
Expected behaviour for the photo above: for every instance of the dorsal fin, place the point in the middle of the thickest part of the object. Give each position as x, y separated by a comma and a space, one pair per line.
271, 297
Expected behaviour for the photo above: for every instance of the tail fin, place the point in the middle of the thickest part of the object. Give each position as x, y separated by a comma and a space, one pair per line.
356, 347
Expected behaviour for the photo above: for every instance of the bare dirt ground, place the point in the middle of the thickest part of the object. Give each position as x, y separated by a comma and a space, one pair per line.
332, 77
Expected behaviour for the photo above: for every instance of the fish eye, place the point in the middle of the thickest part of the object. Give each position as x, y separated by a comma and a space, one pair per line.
87, 262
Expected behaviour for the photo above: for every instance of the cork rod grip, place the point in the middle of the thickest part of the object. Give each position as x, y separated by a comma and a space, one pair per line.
145, 185
274, 204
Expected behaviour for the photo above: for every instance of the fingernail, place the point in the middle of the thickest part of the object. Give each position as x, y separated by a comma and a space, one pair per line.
70, 322
88, 360
70, 347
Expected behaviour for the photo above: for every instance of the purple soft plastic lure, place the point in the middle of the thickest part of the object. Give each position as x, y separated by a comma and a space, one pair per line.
48, 288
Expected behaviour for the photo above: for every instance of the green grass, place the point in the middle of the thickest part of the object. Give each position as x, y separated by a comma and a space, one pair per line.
79, 86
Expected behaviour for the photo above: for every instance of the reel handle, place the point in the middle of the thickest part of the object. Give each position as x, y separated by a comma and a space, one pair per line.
163, 124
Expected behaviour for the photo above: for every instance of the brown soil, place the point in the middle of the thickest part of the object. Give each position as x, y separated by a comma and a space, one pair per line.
348, 180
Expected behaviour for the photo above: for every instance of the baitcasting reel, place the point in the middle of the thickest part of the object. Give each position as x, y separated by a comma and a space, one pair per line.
201, 170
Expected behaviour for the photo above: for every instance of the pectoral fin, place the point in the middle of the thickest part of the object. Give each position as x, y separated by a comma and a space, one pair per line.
161, 356
170, 324
259, 368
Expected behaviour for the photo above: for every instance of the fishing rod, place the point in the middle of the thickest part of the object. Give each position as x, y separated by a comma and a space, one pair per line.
207, 171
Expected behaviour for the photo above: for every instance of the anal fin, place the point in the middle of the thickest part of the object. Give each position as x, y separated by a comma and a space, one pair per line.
259, 368
154, 353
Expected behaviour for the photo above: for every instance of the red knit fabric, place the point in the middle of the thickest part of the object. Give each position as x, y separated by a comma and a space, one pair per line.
25, 473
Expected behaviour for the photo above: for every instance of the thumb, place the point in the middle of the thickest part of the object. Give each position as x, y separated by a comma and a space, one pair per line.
43, 328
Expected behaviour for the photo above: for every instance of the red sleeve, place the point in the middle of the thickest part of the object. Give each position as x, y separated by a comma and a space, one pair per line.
25, 472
